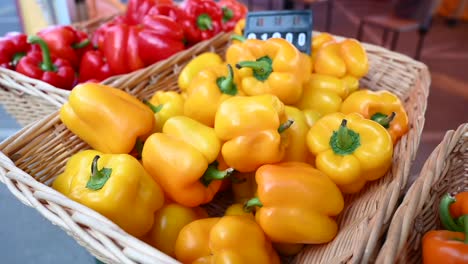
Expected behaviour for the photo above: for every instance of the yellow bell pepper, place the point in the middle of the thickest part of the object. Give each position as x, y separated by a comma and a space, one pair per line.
165, 104
229, 239
297, 203
207, 90
245, 188
168, 221
350, 149
182, 160
114, 185
297, 149
323, 94
383, 107
329, 60
355, 57
311, 116
272, 66
253, 131
239, 28
238, 209
351, 82
317, 42
108, 119
197, 64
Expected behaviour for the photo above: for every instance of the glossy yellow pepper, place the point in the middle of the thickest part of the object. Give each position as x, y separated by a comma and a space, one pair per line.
355, 57
297, 203
272, 66
114, 185
168, 221
351, 82
202, 61
329, 60
323, 94
383, 107
207, 90
297, 148
182, 160
350, 149
238, 209
165, 104
108, 119
253, 131
317, 42
239, 28
311, 116
229, 239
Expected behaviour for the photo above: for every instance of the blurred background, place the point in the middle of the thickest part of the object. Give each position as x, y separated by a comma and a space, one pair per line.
434, 32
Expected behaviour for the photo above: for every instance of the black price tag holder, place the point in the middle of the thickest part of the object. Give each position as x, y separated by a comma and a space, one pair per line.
293, 25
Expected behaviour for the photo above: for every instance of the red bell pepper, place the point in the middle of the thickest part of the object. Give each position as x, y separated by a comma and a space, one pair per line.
40, 65
131, 47
138, 9
13, 46
66, 42
94, 67
206, 17
98, 36
179, 16
233, 11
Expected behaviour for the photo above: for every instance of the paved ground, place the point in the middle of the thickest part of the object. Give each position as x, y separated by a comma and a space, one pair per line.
26, 237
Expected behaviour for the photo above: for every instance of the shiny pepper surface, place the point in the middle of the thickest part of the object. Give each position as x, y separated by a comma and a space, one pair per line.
223, 240
114, 185
383, 107
350, 149
108, 119
253, 129
297, 147
181, 159
213, 85
323, 94
297, 203
168, 221
272, 66
197, 64
165, 105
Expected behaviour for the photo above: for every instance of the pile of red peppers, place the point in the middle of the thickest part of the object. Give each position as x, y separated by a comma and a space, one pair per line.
149, 31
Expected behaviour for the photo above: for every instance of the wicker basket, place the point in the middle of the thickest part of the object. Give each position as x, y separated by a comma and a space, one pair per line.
33, 157
446, 170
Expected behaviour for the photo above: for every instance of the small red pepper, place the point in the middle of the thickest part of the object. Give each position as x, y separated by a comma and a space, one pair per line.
138, 9
233, 11
13, 46
131, 47
94, 67
206, 17
40, 65
66, 42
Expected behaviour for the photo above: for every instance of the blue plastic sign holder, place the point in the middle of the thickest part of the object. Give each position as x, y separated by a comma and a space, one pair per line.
293, 25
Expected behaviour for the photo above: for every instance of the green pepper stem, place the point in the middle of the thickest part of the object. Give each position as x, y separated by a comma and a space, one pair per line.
204, 22
383, 119
444, 214
285, 125
81, 44
251, 204
98, 178
17, 57
238, 37
212, 174
226, 83
46, 64
228, 14
153, 107
262, 67
344, 139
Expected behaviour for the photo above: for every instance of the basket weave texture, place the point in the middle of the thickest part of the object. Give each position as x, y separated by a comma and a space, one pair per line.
445, 171
32, 158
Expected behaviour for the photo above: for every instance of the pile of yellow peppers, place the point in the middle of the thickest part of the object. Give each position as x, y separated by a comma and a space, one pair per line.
278, 129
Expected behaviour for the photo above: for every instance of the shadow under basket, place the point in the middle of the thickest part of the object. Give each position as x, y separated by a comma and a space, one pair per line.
445, 171
32, 158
